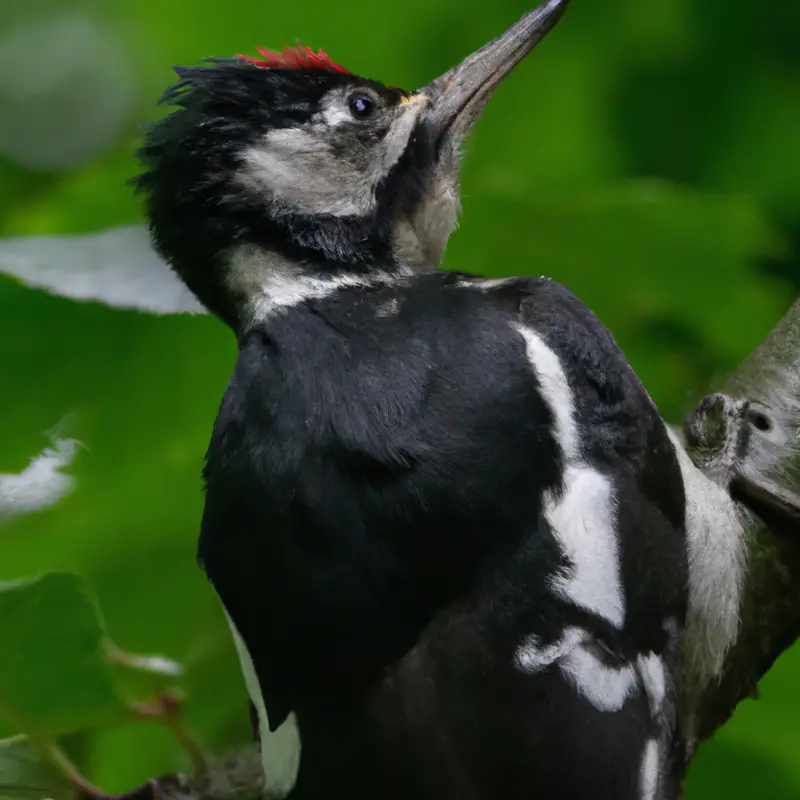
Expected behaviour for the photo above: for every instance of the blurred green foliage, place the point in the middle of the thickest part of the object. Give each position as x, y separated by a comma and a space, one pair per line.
54, 674
23, 775
647, 156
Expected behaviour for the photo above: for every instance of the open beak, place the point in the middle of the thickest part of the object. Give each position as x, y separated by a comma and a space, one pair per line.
458, 97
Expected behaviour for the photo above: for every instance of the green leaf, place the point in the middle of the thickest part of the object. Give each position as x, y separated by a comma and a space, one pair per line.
24, 775
54, 673
700, 92
117, 267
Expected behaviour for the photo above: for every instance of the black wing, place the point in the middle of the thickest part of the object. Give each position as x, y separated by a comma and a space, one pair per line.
378, 452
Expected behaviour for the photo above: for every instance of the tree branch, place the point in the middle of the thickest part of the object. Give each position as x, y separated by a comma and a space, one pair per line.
770, 380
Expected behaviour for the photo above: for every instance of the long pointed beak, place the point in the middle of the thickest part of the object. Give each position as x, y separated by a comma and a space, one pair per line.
458, 97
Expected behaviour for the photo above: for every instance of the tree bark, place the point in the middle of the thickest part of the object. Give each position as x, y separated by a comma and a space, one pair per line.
762, 401
770, 380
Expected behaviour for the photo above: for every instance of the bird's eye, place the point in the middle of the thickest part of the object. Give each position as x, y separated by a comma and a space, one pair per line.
361, 105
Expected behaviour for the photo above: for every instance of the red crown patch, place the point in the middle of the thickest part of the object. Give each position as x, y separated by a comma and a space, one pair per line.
298, 57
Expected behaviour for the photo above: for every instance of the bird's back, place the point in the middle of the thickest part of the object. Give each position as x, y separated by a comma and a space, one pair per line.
464, 519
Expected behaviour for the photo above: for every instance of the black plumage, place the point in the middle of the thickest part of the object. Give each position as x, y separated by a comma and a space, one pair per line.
374, 525
399, 490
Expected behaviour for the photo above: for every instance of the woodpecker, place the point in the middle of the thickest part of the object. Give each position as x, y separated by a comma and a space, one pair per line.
453, 537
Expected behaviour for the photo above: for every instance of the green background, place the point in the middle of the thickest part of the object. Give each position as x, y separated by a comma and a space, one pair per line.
647, 155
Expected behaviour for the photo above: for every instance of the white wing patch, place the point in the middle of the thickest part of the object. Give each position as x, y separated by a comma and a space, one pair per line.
651, 671
650, 770
583, 521
280, 751
532, 656
606, 688
582, 515
556, 392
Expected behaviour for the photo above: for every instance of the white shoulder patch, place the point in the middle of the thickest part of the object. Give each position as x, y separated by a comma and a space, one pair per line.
582, 515
299, 168
583, 520
606, 688
650, 770
280, 751
654, 681
556, 391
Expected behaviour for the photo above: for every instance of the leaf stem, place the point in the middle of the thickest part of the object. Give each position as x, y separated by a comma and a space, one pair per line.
155, 665
62, 762
166, 710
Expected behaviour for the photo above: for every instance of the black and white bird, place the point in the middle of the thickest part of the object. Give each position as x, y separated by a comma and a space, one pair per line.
461, 553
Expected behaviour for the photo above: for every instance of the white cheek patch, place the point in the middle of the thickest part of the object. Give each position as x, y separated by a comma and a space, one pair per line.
297, 167
606, 688
300, 170
717, 551
582, 516
280, 751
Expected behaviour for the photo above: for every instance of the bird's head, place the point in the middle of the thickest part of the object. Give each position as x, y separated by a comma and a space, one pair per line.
275, 176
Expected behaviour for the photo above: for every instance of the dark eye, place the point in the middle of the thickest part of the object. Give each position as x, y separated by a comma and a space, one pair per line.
361, 105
